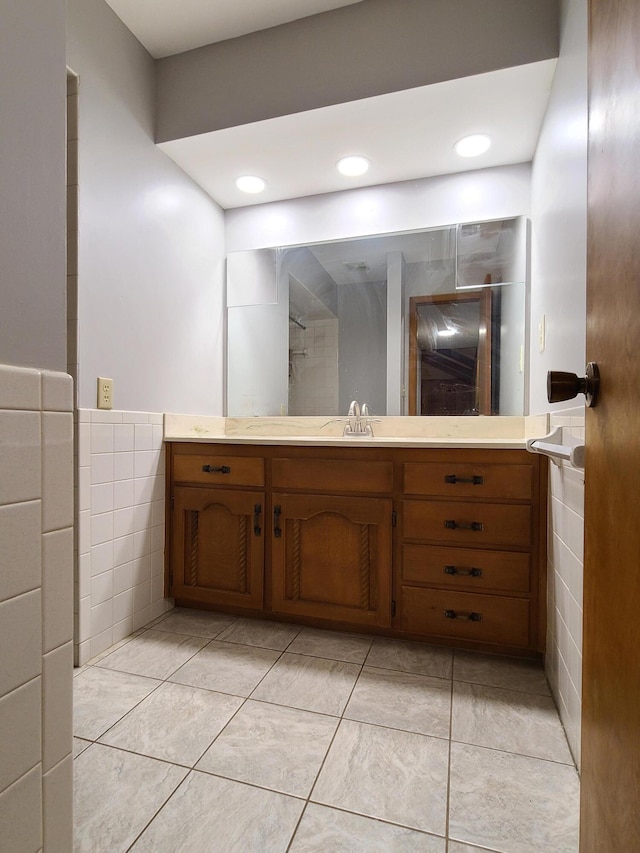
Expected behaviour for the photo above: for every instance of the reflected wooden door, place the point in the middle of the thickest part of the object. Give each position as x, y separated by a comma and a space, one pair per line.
610, 808
456, 364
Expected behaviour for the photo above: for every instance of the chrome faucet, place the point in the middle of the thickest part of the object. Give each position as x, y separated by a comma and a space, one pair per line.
358, 421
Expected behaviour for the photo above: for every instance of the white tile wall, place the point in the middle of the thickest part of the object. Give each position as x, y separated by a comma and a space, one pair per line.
564, 583
313, 368
36, 609
120, 544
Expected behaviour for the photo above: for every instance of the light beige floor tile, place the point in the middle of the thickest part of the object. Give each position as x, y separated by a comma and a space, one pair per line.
155, 654
308, 683
115, 795
96, 660
411, 657
273, 747
512, 803
260, 632
401, 700
324, 829
101, 697
196, 623
509, 720
227, 668
176, 723
459, 847
396, 776
331, 644
79, 745
219, 816
496, 671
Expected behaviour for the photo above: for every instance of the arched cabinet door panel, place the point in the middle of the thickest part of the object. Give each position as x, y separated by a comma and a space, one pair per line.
218, 546
331, 557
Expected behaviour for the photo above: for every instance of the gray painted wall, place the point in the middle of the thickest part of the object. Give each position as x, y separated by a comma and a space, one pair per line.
370, 48
362, 352
559, 216
33, 184
151, 252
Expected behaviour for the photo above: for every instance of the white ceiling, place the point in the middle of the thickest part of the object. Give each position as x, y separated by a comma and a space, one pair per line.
406, 135
172, 26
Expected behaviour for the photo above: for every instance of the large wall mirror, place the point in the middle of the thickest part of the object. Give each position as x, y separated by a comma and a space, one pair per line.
429, 322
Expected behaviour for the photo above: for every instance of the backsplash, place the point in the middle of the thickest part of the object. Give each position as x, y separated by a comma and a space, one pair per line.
565, 576
36, 615
121, 527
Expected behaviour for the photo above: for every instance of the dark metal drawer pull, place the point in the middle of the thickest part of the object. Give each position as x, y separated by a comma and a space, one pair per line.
463, 617
210, 469
257, 510
453, 525
277, 532
454, 570
475, 480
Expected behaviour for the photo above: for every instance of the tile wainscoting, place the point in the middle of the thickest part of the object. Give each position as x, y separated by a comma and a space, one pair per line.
565, 574
36, 612
121, 526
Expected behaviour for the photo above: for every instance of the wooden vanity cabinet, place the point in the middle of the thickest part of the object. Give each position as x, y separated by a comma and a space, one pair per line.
216, 541
331, 550
439, 545
472, 548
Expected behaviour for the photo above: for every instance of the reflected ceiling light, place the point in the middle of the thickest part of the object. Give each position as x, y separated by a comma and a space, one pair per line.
352, 166
472, 146
250, 184
446, 333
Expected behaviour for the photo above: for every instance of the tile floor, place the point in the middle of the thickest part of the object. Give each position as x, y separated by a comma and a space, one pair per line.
206, 733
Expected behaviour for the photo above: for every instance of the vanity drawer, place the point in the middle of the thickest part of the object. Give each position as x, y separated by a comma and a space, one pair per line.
462, 615
467, 479
219, 470
465, 567
332, 475
480, 524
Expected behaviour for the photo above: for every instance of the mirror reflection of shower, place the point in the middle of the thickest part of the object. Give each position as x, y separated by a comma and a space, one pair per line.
310, 328
340, 354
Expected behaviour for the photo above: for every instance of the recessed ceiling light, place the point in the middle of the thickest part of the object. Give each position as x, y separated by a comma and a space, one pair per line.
472, 146
352, 166
250, 184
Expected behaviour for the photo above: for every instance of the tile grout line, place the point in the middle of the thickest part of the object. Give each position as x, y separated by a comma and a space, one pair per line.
191, 769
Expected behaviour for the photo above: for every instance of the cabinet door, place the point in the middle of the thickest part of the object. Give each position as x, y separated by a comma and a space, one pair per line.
332, 557
218, 546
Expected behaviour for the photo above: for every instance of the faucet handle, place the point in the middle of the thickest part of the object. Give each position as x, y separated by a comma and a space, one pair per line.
365, 410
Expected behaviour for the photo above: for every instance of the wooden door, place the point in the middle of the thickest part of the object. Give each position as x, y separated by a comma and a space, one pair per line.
462, 371
331, 558
610, 808
218, 550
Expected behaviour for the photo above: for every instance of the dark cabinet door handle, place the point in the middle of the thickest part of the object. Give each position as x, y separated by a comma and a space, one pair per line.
475, 480
222, 469
454, 570
463, 617
454, 525
566, 386
277, 532
257, 511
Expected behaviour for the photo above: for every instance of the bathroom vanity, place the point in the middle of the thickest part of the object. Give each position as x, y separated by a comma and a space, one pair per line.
440, 540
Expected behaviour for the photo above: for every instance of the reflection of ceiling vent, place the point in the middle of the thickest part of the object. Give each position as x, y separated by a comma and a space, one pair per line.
356, 265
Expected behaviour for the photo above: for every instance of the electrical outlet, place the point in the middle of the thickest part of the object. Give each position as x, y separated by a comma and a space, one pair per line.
105, 393
541, 333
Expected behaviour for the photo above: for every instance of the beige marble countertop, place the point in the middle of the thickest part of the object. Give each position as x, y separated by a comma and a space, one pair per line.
454, 432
